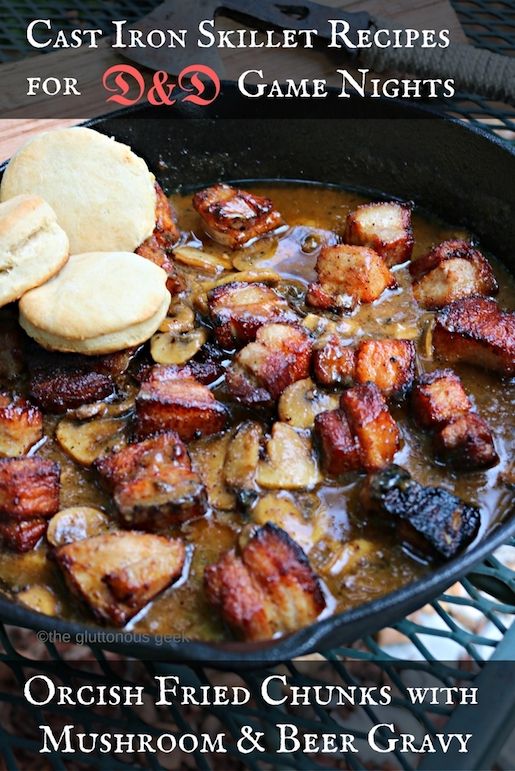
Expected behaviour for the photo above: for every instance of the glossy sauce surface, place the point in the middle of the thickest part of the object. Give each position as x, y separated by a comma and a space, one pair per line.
331, 514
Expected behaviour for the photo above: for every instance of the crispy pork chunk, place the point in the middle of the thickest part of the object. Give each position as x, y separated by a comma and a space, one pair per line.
59, 383
476, 331
171, 399
339, 447
117, 574
234, 217
29, 488
158, 247
371, 423
22, 535
21, 425
239, 309
466, 442
385, 227
450, 271
348, 276
334, 361
430, 520
153, 482
261, 371
390, 364
266, 588
438, 397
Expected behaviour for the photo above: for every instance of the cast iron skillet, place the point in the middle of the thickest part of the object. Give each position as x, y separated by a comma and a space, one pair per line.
457, 172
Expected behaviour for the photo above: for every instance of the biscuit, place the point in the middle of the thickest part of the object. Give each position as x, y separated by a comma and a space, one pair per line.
102, 192
100, 302
33, 247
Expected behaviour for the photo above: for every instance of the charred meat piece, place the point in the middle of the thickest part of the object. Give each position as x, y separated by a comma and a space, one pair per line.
261, 371
348, 276
62, 387
21, 425
371, 423
29, 488
234, 217
266, 588
239, 309
466, 442
158, 247
450, 271
438, 397
476, 331
390, 364
171, 399
385, 227
22, 535
117, 574
153, 483
339, 448
334, 361
429, 519
208, 364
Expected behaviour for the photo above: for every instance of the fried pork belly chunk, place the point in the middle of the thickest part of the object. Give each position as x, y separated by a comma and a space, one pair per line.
438, 397
261, 371
476, 331
371, 423
348, 276
153, 482
339, 447
158, 247
390, 364
21, 425
466, 442
450, 271
429, 519
23, 535
239, 309
171, 399
117, 574
334, 361
29, 488
385, 227
234, 217
266, 588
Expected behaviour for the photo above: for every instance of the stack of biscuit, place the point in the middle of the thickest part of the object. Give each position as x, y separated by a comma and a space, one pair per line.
75, 205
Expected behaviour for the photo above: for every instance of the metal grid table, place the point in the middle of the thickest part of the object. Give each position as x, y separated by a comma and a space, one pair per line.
472, 622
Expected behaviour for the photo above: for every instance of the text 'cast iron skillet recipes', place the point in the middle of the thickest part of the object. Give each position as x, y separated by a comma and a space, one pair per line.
228, 415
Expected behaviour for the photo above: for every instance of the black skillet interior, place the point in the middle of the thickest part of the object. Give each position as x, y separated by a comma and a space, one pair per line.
460, 174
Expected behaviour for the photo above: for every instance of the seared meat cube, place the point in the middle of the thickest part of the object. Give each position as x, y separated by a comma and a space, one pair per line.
207, 366
438, 397
166, 231
158, 247
29, 488
117, 574
22, 535
239, 309
339, 448
265, 589
334, 362
153, 483
371, 423
234, 217
262, 370
348, 276
171, 399
11, 350
385, 227
450, 271
466, 442
390, 364
63, 388
430, 519
476, 331
21, 425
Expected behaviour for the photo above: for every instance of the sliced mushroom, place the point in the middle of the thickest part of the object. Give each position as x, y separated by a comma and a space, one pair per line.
205, 261
85, 442
347, 558
290, 462
302, 401
180, 318
208, 457
75, 524
281, 511
39, 598
177, 350
242, 456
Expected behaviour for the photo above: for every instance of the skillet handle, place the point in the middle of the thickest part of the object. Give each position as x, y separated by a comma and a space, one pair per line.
474, 70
